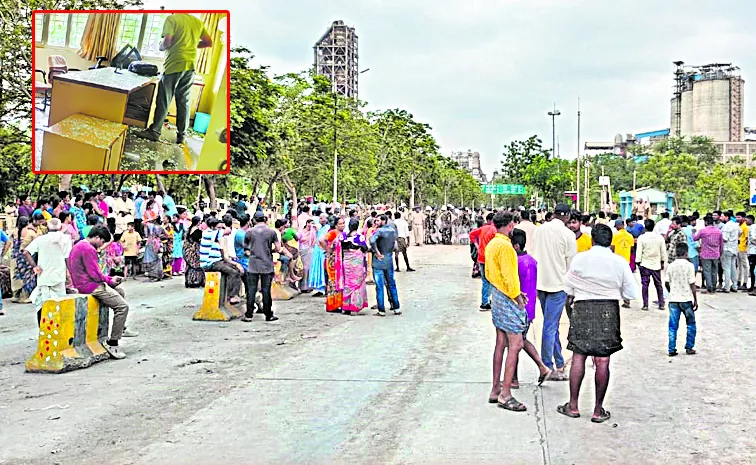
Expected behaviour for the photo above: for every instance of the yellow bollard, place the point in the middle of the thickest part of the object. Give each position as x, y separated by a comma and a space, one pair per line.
71, 334
215, 306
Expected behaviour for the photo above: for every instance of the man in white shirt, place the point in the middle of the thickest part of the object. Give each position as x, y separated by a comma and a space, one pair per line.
124, 211
528, 226
109, 200
554, 247
681, 284
52, 251
402, 239
596, 281
751, 249
731, 237
650, 255
662, 227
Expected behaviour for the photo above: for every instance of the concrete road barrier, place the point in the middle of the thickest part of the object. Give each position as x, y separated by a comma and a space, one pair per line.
72, 331
215, 306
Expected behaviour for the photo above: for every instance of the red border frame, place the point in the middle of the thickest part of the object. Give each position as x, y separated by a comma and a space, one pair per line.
228, 89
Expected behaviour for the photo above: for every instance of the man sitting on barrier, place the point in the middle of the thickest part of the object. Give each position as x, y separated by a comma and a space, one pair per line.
88, 279
212, 259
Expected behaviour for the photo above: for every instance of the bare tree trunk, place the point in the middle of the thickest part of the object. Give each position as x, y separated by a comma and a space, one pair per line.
293, 191
255, 187
173, 181
412, 192
112, 181
269, 192
39, 189
161, 186
121, 180
210, 187
65, 182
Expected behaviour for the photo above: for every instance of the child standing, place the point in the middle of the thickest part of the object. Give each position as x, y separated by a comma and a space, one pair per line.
527, 269
114, 257
130, 241
680, 281
178, 246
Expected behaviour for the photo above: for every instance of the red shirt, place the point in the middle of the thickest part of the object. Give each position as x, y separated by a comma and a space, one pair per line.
482, 236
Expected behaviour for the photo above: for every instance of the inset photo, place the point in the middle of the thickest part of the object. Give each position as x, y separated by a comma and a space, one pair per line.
131, 92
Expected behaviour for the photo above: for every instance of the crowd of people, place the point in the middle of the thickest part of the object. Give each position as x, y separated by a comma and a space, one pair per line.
585, 264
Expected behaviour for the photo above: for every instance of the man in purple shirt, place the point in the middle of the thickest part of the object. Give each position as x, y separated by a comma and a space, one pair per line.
527, 268
712, 246
88, 279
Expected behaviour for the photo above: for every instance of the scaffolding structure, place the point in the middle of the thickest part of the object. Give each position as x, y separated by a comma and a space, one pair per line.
687, 77
336, 58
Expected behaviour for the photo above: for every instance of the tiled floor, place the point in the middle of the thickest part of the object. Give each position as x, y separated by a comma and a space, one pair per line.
140, 154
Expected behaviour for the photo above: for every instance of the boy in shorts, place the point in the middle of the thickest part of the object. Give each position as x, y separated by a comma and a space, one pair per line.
130, 241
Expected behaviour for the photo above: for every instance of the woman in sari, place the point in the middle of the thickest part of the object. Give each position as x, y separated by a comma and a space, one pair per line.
153, 258
194, 275
24, 272
334, 269
354, 247
317, 279
307, 236
178, 246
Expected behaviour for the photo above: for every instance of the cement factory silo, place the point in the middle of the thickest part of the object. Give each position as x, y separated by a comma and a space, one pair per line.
708, 101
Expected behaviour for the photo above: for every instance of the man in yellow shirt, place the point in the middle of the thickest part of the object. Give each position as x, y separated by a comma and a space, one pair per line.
182, 35
584, 241
507, 310
622, 244
742, 251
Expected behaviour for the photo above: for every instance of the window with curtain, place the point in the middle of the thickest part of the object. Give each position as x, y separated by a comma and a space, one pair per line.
57, 29
142, 31
76, 29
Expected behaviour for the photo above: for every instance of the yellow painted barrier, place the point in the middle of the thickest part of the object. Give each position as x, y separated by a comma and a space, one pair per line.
215, 306
71, 334
278, 289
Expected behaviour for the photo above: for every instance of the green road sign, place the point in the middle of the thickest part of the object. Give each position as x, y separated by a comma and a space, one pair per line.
503, 189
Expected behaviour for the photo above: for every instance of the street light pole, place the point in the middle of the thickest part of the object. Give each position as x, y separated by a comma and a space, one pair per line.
553, 115
335, 144
577, 162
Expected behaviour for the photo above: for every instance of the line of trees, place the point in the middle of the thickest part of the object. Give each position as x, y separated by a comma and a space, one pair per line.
284, 132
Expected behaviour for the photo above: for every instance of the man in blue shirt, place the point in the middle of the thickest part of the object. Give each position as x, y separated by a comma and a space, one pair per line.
169, 205
382, 244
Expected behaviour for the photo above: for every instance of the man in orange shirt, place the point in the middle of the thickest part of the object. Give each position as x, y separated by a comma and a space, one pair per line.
482, 236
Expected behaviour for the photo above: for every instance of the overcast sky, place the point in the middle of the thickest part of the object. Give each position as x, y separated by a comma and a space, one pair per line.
484, 73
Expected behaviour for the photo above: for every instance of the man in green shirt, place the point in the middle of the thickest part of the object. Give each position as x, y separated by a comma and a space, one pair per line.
182, 35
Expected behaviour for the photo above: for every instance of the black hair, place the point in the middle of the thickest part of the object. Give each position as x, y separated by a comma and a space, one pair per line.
681, 249
383, 218
305, 208
518, 237
212, 222
649, 224
708, 220
614, 216
130, 223
38, 217
502, 219
279, 223
397, 215
601, 215
373, 214
677, 220
101, 232
602, 235
480, 221
63, 216
243, 220
92, 220
22, 222
228, 220
232, 213
740, 214
548, 216
665, 215
354, 224
490, 217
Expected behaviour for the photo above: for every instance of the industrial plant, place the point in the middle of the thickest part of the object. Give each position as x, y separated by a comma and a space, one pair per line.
336, 58
707, 101
470, 162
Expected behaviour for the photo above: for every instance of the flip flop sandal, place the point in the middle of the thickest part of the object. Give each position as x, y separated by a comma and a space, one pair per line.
542, 378
512, 404
565, 410
605, 415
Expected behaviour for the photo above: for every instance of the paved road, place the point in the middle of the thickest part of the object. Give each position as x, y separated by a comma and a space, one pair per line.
321, 389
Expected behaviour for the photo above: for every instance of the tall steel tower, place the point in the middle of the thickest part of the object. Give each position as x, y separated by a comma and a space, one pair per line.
336, 58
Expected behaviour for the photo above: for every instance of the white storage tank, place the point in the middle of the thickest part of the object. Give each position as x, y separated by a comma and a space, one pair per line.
710, 109
686, 116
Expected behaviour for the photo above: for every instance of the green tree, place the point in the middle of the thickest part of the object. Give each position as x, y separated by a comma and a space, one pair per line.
518, 155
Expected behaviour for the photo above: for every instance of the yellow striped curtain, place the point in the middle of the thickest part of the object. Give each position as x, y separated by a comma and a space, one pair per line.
100, 36
211, 22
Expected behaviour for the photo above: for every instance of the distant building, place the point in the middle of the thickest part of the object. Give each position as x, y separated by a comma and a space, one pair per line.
470, 162
336, 58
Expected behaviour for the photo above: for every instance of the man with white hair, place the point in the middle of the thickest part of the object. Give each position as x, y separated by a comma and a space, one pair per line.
52, 251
